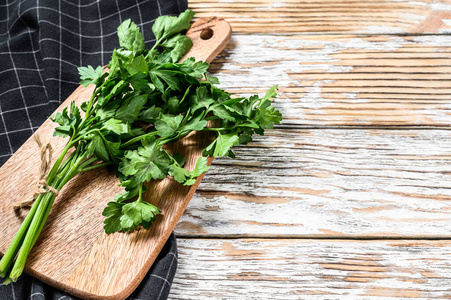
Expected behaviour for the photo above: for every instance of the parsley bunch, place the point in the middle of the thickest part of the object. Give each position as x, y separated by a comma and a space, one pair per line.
144, 100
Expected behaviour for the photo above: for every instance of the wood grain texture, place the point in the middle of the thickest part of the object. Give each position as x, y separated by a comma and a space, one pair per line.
91, 264
336, 80
339, 63
312, 269
330, 16
328, 183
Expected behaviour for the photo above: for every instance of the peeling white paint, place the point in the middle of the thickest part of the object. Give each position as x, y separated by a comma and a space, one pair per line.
313, 98
392, 44
273, 5
356, 182
440, 6
432, 6
382, 29
411, 17
311, 269
354, 99
431, 40
415, 3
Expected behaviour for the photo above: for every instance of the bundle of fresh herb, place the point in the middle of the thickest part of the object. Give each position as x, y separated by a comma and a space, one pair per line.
145, 100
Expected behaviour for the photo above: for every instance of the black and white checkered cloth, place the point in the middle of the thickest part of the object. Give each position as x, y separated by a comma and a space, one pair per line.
42, 42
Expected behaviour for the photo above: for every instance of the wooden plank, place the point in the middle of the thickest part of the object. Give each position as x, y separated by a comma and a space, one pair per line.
328, 183
92, 264
326, 16
312, 269
344, 80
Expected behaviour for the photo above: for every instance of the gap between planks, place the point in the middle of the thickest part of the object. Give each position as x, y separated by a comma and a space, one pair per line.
314, 237
363, 127
327, 33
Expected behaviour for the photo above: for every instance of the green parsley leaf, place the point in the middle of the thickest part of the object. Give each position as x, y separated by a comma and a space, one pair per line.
201, 167
173, 105
185, 177
166, 26
194, 124
131, 190
151, 114
157, 82
131, 108
128, 216
245, 136
221, 146
193, 68
99, 146
271, 93
90, 76
115, 88
167, 125
211, 79
147, 162
268, 115
225, 112
68, 121
180, 174
138, 213
168, 76
201, 99
130, 38
141, 83
117, 126
113, 214
177, 45
138, 65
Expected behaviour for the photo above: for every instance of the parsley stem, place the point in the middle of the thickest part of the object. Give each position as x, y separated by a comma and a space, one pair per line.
138, 138
87, 162
97, 166
184, 95
66, 166
56, 165
91, 102
81, 136
30, 239
33, 224
44, 219
74, 170
11, 252
213, 129
211, 118
140, 193
156, 44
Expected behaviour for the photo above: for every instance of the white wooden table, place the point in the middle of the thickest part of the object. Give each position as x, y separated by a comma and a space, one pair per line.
350, 197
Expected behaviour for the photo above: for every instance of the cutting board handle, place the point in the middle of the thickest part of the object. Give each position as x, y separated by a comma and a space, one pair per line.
209, 36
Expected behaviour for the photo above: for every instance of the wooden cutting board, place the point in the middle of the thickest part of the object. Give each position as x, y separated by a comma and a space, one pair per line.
73, 253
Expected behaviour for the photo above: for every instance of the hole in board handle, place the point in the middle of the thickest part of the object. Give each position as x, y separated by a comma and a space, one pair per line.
206, 34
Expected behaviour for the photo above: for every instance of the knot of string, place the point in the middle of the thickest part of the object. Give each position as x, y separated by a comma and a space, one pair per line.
42, 188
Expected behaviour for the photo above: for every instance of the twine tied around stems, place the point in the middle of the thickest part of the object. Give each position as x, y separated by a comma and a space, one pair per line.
46, 159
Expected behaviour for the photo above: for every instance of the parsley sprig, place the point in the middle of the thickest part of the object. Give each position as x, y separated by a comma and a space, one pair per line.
143, 101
